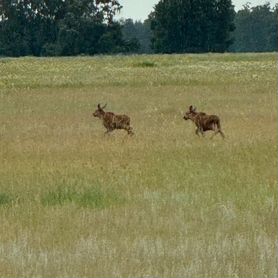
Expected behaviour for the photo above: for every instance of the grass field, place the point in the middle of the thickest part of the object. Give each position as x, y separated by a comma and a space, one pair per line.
163, 203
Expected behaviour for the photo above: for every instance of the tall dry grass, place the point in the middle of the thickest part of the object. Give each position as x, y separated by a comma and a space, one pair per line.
163, 203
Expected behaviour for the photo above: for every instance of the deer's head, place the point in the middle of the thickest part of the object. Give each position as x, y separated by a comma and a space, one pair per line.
99, 112
189, 115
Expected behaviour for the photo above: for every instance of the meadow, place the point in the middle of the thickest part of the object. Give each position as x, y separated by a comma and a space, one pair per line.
162, 203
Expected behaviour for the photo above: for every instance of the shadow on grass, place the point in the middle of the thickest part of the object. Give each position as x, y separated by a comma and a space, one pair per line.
89, 198
144, 64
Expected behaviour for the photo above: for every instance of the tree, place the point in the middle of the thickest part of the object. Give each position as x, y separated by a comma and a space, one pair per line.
273, 34
59, 27
139, 33
180, 26
256, 29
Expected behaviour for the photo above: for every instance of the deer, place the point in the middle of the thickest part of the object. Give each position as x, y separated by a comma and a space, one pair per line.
204, 122
112, 121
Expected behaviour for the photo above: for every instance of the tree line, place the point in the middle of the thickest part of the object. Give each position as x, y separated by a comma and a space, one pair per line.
251, 29
256, 29
74, 27
61, 28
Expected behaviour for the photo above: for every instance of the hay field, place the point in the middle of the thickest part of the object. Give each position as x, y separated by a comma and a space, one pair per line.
163, 203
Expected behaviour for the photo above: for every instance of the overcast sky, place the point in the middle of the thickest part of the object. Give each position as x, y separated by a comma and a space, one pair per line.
139, 9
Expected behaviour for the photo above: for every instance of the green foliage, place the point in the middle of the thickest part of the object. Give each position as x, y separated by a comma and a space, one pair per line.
138, 31
256, 29
87, 27
71, 27
192, 26
49, 49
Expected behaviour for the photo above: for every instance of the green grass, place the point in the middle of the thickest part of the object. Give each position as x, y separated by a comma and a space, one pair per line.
163, 203
5, 199
92, 197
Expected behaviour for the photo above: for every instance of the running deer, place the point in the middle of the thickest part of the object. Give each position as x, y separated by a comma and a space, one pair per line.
112, 121
204, 122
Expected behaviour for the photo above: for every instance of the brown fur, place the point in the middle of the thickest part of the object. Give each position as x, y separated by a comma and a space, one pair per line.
112, 121
203, 121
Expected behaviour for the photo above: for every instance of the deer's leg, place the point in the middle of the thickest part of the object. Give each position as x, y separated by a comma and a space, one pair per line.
214, 128
197, 131
202, 132
129, 130
216, 131
219, 130
221, 133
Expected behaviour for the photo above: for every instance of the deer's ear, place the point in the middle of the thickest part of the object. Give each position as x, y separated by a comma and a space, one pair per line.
98, 106
194, 109
190, 108
104, 106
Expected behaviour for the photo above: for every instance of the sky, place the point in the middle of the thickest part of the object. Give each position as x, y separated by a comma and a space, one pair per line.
140, 9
